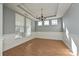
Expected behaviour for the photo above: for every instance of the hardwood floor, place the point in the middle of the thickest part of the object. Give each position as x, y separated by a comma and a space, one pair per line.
39, 47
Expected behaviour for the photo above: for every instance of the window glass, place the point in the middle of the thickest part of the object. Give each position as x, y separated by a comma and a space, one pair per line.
54, 22
46, 22
28, 27
19, 26
39, 23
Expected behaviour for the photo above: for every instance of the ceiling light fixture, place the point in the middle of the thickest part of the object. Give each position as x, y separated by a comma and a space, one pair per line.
42, 17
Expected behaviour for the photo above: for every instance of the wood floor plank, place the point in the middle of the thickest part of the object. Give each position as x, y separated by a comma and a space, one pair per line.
40, 47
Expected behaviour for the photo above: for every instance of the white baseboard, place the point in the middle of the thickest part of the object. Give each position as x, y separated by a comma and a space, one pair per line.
68, 42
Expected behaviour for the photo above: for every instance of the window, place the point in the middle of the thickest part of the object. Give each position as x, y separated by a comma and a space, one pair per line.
19, 26
46, 22
28, 27
39, 23
54, 22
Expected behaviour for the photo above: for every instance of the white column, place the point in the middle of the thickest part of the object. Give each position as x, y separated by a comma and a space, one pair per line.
1, 27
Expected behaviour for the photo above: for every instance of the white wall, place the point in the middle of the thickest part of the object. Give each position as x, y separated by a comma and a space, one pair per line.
49, 35
71, 27
10, 41
1, 27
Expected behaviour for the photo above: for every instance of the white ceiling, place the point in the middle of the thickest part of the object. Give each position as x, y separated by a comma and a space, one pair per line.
34, 9
48, 8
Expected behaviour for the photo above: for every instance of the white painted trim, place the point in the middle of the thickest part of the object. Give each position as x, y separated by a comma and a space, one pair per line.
49, 35
10, 41
68, 42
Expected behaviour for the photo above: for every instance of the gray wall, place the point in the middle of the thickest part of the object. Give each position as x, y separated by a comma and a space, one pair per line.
71, 22
71, 19
32, 26
50, 28
8, 20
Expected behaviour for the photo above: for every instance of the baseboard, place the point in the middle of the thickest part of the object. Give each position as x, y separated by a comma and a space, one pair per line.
67, 45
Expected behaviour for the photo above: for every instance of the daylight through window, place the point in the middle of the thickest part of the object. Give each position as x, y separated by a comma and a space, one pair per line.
54, 22
46, 22
39, 23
